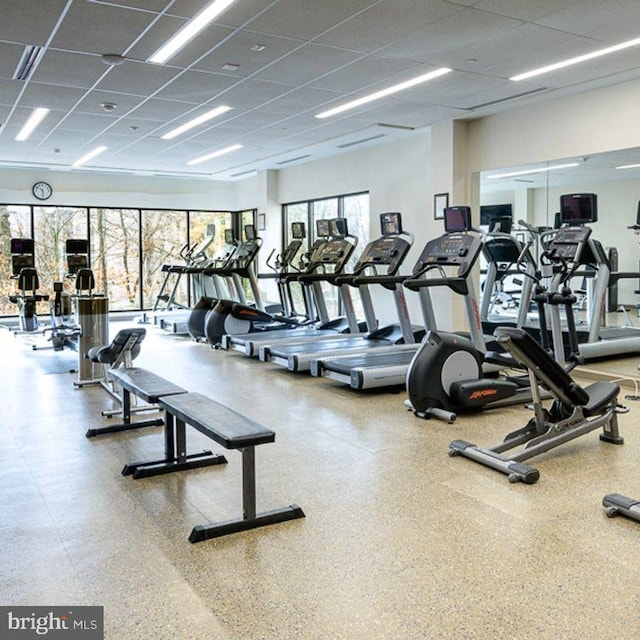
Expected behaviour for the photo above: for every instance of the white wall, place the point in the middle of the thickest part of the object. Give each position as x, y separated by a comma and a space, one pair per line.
89, 189
398, 177
594, 122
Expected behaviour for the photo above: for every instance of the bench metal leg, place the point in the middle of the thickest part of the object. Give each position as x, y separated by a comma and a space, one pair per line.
176, 457
249, 520
126, 424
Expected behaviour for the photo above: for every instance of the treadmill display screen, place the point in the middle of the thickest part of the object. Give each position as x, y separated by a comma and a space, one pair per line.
579, 208
391, 223
338, 227
457, 219
322, 228
298, 230
249, 232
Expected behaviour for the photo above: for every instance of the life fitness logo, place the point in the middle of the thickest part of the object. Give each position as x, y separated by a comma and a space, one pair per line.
482, 393
84, 623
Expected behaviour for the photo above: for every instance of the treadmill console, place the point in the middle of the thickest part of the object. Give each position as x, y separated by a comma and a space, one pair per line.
387, 251
335, 251
568, 243
450, 250
290, 252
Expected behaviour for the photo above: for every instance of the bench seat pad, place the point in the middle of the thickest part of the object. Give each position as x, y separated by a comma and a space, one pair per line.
227, 427
144, 384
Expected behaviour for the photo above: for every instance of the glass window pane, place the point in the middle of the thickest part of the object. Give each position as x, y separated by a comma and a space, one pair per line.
15, 222
53, 226
164, 237
355, 209
322, 209
115, 256
199, 228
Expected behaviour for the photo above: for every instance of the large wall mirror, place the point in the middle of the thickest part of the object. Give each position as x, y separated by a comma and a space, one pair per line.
534, 191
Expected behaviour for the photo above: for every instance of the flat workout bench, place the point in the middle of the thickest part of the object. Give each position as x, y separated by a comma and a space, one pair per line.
142, 384
231, 430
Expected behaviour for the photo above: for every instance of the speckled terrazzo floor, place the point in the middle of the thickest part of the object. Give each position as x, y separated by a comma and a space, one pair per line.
400, 541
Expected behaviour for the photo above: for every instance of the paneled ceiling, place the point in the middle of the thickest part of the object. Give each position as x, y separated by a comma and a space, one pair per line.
278, 63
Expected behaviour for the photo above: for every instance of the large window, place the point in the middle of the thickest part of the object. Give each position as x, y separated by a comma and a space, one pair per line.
15, 222
127, 248
115, 256
52, 227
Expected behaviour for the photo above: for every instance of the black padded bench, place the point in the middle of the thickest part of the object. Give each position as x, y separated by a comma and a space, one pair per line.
231, 430
144, 385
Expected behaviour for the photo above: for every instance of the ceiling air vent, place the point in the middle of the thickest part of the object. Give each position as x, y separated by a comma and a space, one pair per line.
515, 96
28, 61
346, 145
294, 159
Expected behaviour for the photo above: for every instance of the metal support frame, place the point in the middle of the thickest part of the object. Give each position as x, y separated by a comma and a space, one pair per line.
250, 518
175, 454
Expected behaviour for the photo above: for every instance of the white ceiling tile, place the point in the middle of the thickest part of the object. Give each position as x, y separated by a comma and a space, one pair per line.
360, 46
307, 64
387, 21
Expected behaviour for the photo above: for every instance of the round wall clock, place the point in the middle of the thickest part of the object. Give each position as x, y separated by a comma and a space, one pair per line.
42, 190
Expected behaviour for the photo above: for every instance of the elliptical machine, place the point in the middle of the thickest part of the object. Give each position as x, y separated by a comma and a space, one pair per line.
451, 374
24, 272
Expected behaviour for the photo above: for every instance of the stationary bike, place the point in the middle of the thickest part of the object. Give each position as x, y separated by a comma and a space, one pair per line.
447, 375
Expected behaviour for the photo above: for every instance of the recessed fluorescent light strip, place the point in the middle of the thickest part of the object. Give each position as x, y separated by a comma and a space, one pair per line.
525, 172
577, 59
89, 156
215, 154
384, 92
36, 117
205, 117
628, 166
189, 31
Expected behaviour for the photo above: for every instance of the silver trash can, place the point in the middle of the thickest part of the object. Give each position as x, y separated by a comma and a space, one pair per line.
93, 318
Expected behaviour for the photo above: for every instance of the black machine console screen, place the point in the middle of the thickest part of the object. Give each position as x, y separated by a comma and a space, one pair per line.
391, 223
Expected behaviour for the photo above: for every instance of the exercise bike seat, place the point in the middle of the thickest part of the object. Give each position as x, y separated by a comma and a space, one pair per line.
125, 338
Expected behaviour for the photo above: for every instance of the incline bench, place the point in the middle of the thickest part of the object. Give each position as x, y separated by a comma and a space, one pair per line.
229, 429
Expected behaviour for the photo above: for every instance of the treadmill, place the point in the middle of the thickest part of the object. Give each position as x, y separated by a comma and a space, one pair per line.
387, 367
389, 251
599, 342
505, 256
328, 258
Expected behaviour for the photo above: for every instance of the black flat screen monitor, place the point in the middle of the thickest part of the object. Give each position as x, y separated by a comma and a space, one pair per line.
579, 208
457, 219
249, 232
73, 245
298, 230
22, 245
498, 217
338, 227
228, 236
391, 223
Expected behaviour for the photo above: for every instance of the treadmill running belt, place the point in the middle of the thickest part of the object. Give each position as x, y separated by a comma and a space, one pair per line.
345, 363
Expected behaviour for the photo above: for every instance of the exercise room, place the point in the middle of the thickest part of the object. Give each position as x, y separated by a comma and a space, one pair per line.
320, 319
